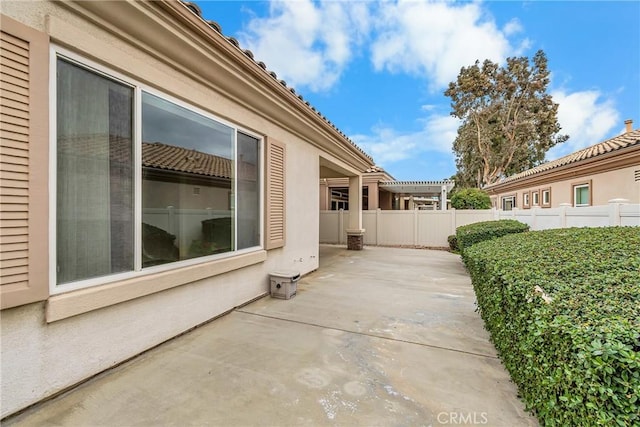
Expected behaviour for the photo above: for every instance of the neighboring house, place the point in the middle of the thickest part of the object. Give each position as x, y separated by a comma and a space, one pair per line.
153, 175
381, 191
589, 177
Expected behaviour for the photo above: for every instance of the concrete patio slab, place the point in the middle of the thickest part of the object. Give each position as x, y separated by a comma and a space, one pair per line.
380, 337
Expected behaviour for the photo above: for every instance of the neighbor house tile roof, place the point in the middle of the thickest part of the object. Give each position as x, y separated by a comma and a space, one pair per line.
169, 157
625, 140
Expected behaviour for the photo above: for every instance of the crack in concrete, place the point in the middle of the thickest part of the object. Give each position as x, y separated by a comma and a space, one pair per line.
317, 325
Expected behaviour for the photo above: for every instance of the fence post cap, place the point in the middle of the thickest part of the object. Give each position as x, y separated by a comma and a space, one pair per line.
621, 201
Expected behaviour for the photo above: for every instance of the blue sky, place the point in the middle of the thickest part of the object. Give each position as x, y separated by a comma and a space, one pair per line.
378, 69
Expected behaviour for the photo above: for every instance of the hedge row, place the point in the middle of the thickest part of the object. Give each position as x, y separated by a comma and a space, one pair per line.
563, 310
471, 234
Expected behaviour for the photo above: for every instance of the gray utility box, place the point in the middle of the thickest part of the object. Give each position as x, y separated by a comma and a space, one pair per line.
284, 284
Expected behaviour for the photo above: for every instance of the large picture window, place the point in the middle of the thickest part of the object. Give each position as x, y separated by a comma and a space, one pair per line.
183, 151
194, 185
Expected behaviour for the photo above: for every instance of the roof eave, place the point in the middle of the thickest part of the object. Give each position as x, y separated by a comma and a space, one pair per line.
618, 159
173, 33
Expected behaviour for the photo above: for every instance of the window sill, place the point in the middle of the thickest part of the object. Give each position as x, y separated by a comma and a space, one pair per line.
85, 300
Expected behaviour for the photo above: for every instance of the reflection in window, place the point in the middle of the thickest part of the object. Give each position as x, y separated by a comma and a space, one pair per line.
94, 211
248, 191
182, 150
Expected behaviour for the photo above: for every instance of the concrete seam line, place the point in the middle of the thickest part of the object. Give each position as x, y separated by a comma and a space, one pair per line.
488, 356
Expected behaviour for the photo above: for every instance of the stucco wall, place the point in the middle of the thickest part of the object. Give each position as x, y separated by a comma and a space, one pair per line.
40, 358
619, 183
604, 187
159, 194
616, 184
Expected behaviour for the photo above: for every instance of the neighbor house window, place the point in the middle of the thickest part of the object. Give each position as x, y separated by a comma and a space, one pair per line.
339, 198
525, 200
546, 197
535, 198
581, 195
193, 190
508, 203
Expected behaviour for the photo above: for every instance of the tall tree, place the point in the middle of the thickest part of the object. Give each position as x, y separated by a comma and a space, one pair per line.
509, 121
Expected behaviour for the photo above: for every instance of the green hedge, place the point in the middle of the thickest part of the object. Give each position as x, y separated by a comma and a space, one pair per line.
471, 234
573, 345
470, 198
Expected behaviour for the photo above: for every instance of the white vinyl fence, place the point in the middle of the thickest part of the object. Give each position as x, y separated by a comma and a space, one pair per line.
185, 224
431, 228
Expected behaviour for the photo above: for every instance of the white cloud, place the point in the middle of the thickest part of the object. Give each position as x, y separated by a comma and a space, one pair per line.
305, 43
586, 116
523, 46
436, 39
388, 145
512, 27
309, 44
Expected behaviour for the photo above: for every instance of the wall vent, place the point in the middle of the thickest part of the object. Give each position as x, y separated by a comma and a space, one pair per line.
637, 175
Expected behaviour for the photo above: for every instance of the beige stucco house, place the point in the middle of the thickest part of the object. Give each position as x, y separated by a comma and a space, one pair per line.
382, 191
589, 177
153, 175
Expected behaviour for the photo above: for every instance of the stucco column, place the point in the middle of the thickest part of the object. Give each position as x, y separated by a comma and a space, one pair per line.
355, 232
374, 202
325, 200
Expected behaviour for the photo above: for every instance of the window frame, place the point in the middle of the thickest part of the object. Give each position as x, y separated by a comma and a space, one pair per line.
535, 198
546, 204
138, 271
526, 200
578, 185
511, 197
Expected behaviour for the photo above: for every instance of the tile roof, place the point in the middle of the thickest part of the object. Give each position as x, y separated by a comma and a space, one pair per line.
628, 139
214, 25
154, 155
169, 157
380, 170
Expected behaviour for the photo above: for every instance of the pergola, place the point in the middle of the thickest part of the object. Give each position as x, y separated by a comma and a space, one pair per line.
419, 194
